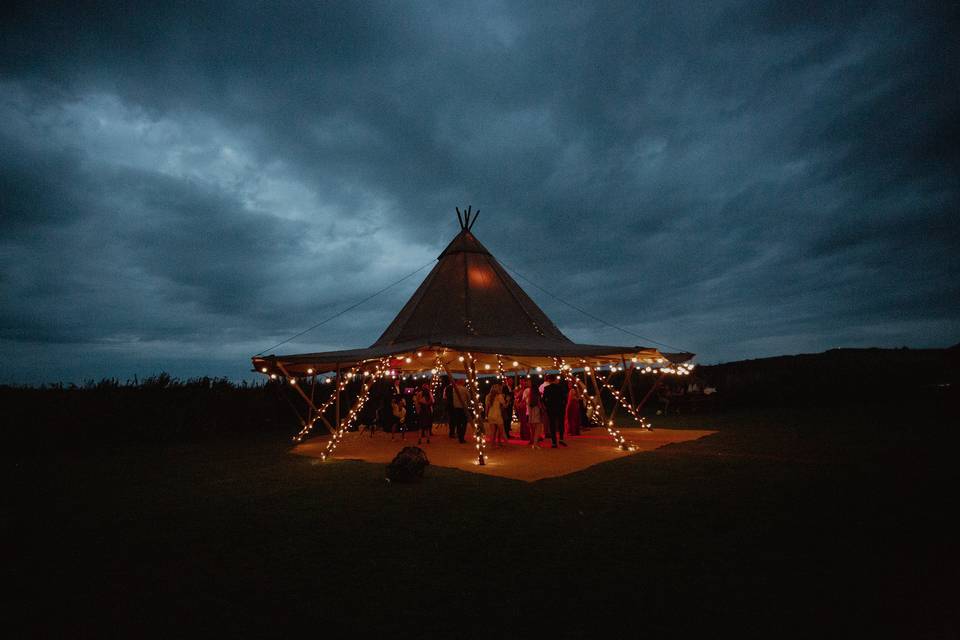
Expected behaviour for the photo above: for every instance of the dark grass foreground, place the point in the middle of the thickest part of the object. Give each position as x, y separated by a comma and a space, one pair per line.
786, 523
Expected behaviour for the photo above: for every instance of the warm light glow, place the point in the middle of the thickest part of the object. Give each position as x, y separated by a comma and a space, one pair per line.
480, 277
515, 363
460, 358
408, 360
419, 354
539, 369
264, 369
486, 366
273, 376
310, 371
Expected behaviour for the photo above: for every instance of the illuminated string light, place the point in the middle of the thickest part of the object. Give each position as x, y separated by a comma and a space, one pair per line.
594, 410
474, 404
435, 380
644, 423
322, 408
354, 412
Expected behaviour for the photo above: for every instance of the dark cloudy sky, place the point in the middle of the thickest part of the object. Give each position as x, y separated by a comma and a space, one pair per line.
182, 186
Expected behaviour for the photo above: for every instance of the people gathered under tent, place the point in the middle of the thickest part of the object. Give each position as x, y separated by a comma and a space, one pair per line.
552, 409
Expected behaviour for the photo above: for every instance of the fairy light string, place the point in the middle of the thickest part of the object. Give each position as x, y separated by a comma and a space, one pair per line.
596, 414
644, 423
341, 385
473, 402
354, 412
436, 373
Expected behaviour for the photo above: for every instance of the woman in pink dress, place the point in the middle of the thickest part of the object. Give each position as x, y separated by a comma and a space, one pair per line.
520, 398
572, 417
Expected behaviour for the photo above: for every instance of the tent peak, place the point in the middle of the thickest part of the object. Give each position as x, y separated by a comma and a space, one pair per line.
466, 221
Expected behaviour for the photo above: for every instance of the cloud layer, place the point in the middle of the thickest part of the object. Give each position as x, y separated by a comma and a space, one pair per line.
182, 187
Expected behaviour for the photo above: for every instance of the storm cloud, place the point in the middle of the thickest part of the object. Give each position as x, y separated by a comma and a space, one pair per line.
182, 186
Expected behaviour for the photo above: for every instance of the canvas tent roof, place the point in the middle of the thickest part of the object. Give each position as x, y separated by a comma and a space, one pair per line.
468, 303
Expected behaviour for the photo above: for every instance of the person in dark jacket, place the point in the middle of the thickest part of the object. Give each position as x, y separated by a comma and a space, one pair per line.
448, 403
507, 407
555, 399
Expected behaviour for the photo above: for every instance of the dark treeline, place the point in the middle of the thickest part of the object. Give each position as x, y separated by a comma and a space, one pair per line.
156, 409
837, 377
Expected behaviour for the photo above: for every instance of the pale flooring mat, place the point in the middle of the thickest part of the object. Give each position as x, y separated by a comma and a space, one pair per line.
515, 460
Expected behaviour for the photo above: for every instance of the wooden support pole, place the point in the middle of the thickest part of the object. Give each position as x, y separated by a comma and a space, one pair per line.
652, 389
357, 407
297, 388
599, 392
336, 390
629, 381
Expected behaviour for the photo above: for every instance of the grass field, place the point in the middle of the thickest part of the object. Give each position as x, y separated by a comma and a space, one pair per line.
784, 523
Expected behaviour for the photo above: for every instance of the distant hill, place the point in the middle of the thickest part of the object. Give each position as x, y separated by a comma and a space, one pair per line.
837, 376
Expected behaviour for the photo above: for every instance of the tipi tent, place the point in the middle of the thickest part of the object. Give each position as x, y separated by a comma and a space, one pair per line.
468, 317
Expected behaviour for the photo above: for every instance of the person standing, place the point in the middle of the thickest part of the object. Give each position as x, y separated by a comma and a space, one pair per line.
399, 411
494, 407
448, 404
424, 401
520, 399
555, 399
459, 411
507, 410
536, 413
383, 417
573, 412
